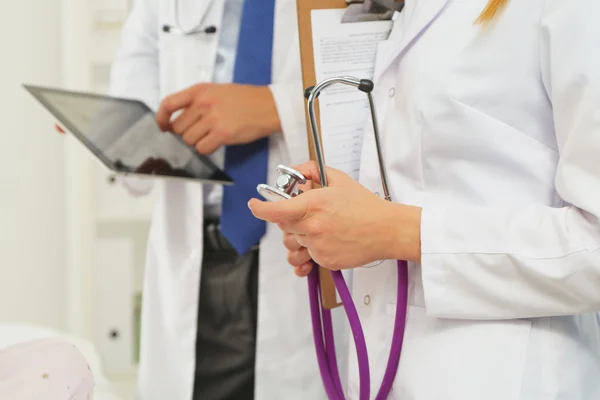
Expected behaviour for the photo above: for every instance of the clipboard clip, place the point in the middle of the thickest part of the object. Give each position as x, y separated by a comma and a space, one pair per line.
371, 10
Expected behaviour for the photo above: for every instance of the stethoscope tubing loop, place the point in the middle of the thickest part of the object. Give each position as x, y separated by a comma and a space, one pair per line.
315, 312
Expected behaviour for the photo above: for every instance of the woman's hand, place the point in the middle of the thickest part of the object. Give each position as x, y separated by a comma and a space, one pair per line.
298, 255
343, 225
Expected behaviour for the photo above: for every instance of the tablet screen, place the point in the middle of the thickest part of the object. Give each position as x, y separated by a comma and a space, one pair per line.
123, 134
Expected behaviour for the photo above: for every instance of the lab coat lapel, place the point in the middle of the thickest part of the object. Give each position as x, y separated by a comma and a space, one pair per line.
403, 37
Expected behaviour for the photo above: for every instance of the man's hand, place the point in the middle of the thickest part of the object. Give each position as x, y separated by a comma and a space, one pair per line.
214, 115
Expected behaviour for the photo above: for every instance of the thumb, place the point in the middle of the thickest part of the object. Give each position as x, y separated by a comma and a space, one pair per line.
279, 212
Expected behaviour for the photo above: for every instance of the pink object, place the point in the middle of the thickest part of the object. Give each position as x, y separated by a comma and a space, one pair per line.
45, 369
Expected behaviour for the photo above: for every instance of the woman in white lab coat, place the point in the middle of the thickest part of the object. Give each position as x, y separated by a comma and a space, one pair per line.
491, 138
151, 65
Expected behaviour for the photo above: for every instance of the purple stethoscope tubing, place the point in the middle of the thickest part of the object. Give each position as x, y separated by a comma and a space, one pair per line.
326, 351
321, 317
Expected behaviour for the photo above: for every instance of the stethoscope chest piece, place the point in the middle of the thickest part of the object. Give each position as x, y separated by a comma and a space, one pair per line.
286, 185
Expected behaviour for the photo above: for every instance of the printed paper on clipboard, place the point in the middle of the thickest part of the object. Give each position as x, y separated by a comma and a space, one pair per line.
342, 49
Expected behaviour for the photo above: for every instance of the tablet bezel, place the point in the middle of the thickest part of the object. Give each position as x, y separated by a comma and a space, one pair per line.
38, 93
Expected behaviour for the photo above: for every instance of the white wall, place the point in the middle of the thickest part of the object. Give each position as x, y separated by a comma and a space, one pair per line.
32, 227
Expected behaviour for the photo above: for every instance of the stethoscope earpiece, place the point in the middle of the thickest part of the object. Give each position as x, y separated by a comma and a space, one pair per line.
209, 30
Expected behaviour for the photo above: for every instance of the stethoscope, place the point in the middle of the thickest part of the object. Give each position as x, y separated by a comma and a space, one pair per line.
286, 187
179, 30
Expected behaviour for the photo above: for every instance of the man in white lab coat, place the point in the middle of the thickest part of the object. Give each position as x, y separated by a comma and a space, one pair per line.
203, 346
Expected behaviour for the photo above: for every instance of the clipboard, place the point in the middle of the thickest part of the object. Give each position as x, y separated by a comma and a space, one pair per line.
307, 58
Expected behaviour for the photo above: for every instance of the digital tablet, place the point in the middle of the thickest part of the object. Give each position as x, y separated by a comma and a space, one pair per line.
124, 136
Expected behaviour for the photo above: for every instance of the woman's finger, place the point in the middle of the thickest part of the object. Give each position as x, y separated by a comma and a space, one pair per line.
298, 258
304, 270
310, 170
303, 241
290, 242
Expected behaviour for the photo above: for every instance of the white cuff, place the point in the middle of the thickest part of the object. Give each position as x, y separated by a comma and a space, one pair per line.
432, 266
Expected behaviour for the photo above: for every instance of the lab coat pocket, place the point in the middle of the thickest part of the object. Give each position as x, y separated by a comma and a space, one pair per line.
459, 359
481, 148
486, 119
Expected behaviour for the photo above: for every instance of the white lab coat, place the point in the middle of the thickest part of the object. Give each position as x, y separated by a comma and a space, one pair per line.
495, 132
151, 65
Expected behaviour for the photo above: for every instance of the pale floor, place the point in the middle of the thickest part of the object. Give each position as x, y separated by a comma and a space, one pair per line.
125, 387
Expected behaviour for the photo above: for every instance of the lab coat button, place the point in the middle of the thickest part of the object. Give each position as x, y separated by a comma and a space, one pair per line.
392, 92
367, 300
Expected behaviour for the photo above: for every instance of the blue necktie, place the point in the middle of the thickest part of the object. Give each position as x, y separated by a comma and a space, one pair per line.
247, 164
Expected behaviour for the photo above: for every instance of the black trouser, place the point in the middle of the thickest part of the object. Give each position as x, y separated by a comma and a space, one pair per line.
227, 315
